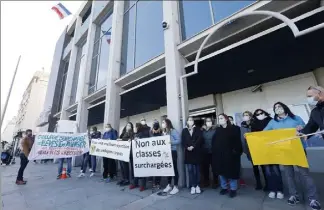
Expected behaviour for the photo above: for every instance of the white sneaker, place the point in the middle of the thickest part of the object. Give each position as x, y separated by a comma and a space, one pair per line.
167, 189
193, 191
272, 195
90, 170
280, 195
81, 171
81, 175
198, 191
174, 191
92, 174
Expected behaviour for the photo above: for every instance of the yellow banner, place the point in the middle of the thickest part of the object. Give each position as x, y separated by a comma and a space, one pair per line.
289, 152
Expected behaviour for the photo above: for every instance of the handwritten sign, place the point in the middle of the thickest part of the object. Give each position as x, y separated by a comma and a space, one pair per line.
152, 157
118, 150
59, 145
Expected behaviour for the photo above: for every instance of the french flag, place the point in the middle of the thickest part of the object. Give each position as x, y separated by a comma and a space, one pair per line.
107, 35
61, 10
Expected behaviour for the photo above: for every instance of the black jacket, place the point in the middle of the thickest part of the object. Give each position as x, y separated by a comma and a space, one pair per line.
226, 152
316, 120
196, 140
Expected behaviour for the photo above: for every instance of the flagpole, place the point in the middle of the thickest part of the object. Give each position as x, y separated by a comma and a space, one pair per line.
8, 96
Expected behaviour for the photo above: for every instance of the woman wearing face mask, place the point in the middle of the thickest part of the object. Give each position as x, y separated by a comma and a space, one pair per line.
167, 129
127, 135
109, 165
208, 134
261, 119
140, 133
192, 141
156, 131
226, 154
284, 118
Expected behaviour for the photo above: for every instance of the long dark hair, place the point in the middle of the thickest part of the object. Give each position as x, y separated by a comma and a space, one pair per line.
226, 118
285, 108
139, 127
258, 110
125, 129
168, 123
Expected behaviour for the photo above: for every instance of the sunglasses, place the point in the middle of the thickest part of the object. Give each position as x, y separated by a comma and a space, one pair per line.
258, 114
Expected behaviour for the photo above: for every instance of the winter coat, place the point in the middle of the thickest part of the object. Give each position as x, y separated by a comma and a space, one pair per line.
154, 132
127, 135
96, 135
26, 145
208, 138
146, 131
245, 128
111, 135
226, 152
196, 140
316, 120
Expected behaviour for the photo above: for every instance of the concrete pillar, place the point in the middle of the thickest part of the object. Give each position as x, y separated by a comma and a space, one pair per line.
112, 104
82, 90
174, 70
219, 105
70, 74
319, 75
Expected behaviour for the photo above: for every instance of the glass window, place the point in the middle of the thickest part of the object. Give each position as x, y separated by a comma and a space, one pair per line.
223, 9
99, 65
142, 34
149, 33
195, 17
128, 46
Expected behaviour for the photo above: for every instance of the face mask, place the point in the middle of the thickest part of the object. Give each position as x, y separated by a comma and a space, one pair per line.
29, 135
246, 118
135, 130
209, 124
232, 122
279, 111
108, 129
143, 122
190, 123
156, 126
222, 122
128, 127
261, 117
311, 101
163, 125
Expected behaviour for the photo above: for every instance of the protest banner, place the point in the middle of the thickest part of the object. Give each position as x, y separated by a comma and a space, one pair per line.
152, 157
288, 152
59, 145
118, 150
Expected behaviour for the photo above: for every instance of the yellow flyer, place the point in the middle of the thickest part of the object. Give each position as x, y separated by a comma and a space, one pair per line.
289, 152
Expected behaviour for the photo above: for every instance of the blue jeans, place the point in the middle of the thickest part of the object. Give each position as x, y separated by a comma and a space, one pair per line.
232, 183
194, 175
274, 178
69, 165
93, 160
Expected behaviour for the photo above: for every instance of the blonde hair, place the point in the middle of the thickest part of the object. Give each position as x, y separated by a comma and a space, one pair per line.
318, 88
249, 113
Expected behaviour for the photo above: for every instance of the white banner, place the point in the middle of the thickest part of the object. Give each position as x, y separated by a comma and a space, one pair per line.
118, 150
152, 157
59, 145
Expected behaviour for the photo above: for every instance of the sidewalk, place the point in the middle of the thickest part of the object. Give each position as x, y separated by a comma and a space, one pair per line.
44, 192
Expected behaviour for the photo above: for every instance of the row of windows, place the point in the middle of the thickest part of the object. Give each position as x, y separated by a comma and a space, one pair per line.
143, 37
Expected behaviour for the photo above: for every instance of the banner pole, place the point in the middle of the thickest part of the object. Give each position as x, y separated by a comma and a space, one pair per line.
295, 137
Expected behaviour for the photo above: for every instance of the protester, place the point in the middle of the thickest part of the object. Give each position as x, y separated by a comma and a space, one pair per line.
156, 131
284, 118
127, 135
261, 119
192, 141
140, 132
242, 182
208, 134
168, 129
226, 154
84, 156
315, 97
60, 167
26, 145
146, 129
109, 164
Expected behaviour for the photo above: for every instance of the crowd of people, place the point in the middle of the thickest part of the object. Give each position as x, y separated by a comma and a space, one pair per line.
216, 146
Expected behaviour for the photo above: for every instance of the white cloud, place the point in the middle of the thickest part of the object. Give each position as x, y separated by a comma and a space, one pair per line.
30, 29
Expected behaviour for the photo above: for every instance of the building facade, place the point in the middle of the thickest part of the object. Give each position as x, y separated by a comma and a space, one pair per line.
119, 61
9, 131
32, 102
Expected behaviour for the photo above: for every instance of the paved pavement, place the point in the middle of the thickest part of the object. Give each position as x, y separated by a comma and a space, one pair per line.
44, 192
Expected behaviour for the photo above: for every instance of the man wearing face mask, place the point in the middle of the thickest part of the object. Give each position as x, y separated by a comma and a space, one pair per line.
109, 165
26, 145
146, 128
315, 97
